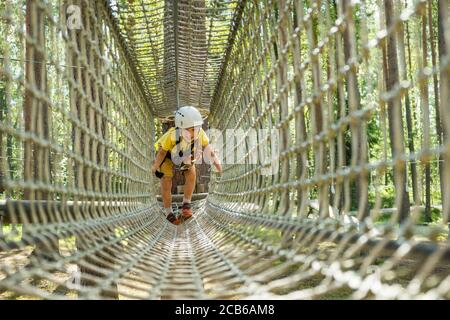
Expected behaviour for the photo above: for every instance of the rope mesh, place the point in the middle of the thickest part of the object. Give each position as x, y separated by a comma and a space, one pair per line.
356, 92
179, 59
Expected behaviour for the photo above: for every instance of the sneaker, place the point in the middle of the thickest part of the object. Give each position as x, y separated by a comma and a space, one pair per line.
172, 219
186, 210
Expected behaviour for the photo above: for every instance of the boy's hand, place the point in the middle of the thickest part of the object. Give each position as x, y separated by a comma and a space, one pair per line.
159, 159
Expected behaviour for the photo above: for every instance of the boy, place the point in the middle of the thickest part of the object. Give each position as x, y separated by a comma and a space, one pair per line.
182, 146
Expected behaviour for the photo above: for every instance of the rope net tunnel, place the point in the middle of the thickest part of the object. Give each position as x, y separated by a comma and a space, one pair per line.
351, 99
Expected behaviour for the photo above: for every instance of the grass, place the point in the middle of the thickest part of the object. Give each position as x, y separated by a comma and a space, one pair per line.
12, 233
434, 229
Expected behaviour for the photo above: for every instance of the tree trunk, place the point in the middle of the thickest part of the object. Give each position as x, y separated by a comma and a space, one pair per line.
443, 14
3, 110
409, 124
283, 206
317, 120
395, 119
436, 92
383, 113
342, 187
424, 96
300, 123
37, 119
359, 151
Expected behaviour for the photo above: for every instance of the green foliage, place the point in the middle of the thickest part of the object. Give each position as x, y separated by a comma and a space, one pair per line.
387, 195
12, 232
383, 218
436, 217
374, 138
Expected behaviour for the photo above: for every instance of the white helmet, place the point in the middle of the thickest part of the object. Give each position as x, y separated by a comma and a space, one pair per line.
188, 117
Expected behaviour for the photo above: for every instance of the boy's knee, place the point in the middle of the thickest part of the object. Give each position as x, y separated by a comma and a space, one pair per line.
166, 181
190, 173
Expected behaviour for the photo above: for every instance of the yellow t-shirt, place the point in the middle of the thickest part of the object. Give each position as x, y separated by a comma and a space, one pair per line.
168, 141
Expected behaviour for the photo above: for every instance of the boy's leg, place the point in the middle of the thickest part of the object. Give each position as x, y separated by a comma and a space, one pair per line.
189, 186
166, 192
